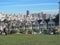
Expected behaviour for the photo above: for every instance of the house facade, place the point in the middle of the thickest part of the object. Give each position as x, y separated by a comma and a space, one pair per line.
29, 22
51, 25
43, 25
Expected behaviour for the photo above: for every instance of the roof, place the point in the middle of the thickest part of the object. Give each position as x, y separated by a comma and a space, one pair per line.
51, 22
43, 22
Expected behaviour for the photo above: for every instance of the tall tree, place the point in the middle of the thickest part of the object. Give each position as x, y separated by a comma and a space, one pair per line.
56, 19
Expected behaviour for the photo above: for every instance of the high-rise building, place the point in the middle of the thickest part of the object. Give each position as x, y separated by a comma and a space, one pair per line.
27, 12
45, 16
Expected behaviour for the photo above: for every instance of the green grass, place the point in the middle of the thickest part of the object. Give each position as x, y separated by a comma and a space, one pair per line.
21, 39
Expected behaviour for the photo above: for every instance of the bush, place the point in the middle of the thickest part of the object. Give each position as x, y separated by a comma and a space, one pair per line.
55, 30
30, 31
46, 31
13, 31
22, 31
37, 31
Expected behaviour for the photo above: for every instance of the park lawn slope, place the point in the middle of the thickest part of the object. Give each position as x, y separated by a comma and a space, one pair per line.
22, 39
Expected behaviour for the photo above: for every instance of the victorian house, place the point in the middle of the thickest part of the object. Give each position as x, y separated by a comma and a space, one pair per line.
43, 25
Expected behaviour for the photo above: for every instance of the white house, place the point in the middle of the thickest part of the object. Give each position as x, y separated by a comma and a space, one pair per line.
35, 25
43, 25
51, 25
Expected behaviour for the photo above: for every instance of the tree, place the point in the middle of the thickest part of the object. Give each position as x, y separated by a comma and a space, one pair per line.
46, 31
55, 30
13, 31
32, 24
5, 31
37, 31
47, 20
30, 31
22, 31
5, 21
8, 24
39, 23
56, 19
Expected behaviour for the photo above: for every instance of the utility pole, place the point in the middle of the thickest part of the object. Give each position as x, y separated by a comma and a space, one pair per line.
59, 14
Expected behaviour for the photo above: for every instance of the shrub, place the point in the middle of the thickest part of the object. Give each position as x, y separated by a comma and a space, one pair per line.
30, 31
22, 31
13, 31
46, 31
37, 31
55, 30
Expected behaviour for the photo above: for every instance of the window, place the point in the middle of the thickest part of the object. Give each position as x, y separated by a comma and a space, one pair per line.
52, 24
41, 24
49, 24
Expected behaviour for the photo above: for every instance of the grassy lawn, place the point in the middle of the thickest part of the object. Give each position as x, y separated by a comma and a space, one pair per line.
21, 39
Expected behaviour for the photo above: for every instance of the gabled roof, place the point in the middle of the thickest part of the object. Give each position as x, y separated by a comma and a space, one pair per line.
51, 22
43, 22
28, 23
36, 23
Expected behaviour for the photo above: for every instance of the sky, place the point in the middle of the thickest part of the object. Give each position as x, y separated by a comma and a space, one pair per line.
20, 6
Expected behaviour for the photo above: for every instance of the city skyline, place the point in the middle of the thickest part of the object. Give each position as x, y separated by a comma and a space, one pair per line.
20, 6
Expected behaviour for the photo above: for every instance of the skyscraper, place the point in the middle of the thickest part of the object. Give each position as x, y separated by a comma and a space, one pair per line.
27, 12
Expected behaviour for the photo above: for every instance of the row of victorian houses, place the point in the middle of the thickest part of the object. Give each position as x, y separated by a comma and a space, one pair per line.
30, 22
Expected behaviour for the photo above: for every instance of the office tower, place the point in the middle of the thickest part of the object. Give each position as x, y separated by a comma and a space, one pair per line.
27, 12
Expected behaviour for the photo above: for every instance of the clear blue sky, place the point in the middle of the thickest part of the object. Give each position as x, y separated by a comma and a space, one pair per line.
16, 6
